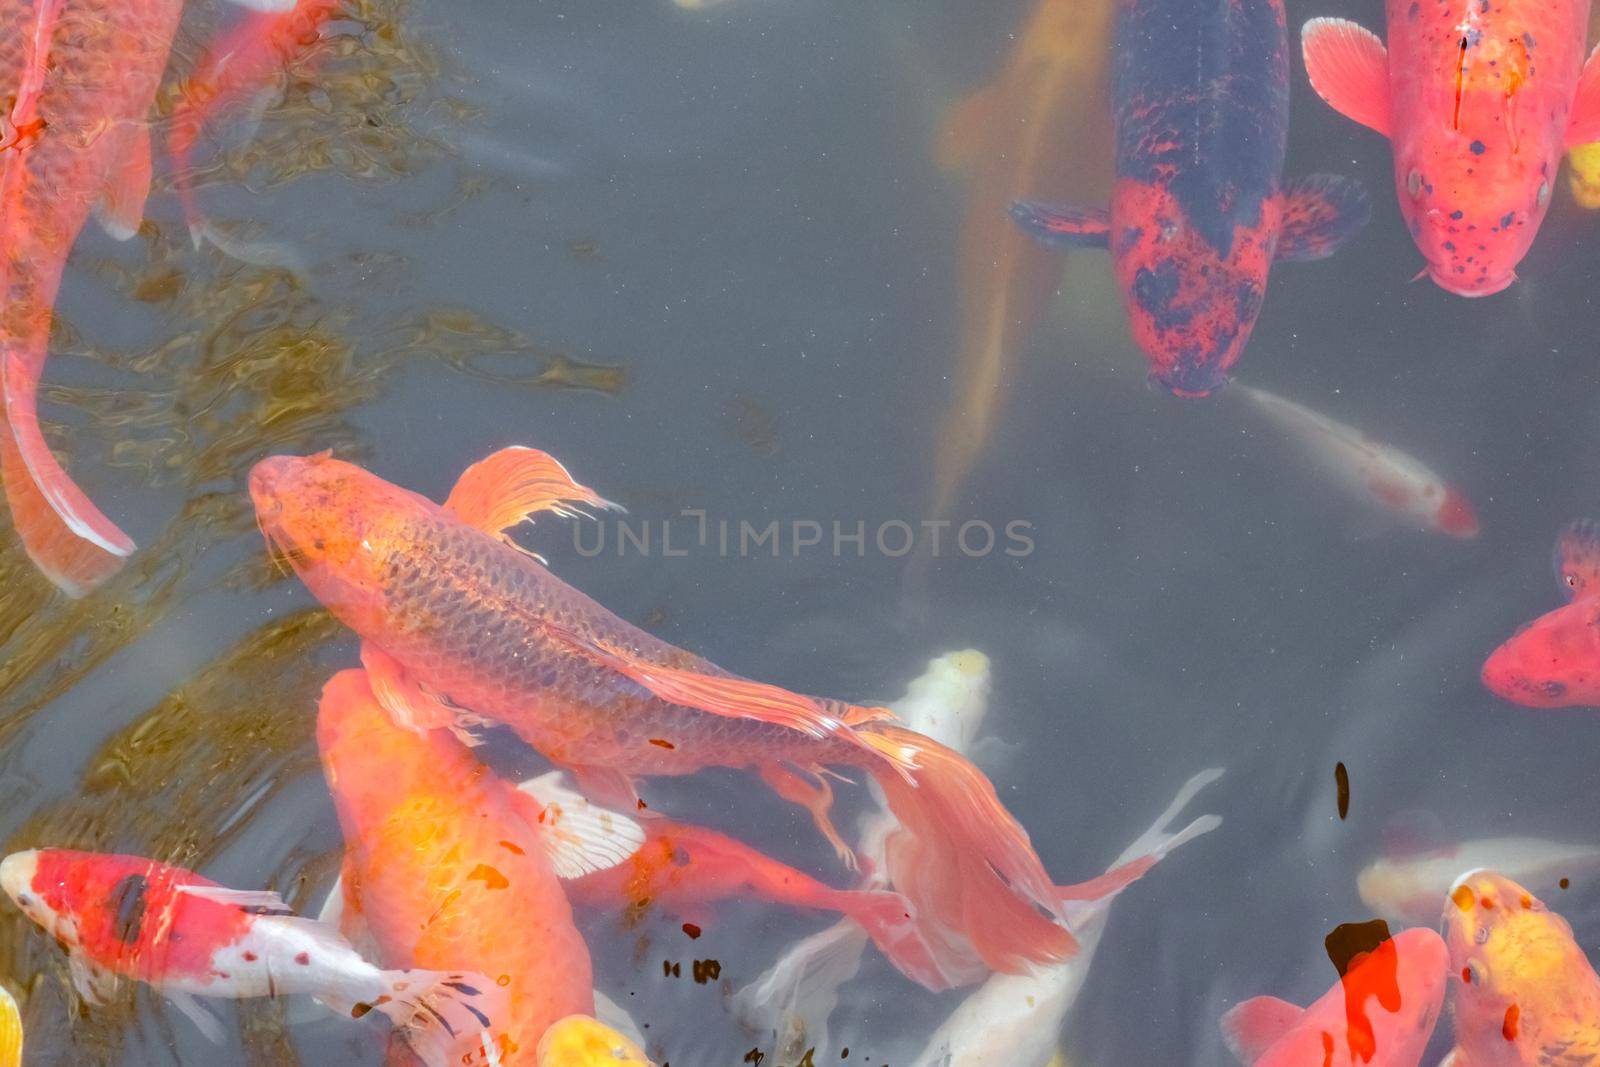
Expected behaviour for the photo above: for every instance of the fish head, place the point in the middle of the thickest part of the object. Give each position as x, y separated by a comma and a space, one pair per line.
18, 872
337, 525
1473, 199
53, 886
1508, 950
1552, 662
1192, 291
581, 1041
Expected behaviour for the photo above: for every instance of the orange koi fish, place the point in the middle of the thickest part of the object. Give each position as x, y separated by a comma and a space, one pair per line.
1041, 131
1480, 98
1554, 661
1381, 1012
242, 63
1379, 474
443, 861
684, 869
186, 937
1523, 992
459, 626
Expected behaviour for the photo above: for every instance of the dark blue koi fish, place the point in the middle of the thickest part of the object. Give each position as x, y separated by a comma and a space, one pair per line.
1198, 211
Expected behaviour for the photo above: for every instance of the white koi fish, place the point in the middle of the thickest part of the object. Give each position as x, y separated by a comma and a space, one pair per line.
1411, 889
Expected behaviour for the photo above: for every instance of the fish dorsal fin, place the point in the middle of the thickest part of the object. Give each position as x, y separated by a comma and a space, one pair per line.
579, 837
1062, 226
1577, 559
1320, 213
966, 128
121, 206
1253, 1027
510, 486
267, 5
1348, 66
254, 901
1583, 121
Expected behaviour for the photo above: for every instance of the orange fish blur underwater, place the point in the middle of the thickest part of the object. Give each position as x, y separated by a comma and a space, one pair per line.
1479, 98
1040, 130
459, 626
245, 62
1554, 661
10, 1030
445, 861
1381, 1012
579, 1041
186, 937
1524, 994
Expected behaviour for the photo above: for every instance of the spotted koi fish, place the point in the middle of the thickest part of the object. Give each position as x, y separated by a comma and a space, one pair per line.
1479, 99
186, 937
1198, 210
1554, 661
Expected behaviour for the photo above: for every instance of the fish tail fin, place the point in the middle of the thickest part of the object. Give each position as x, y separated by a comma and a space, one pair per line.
964, 862
446, 1017
67, 537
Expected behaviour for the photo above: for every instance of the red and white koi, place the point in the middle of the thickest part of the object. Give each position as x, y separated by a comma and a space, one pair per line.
186, 936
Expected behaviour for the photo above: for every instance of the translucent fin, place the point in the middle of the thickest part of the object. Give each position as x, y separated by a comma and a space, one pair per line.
447, 1019
579, 837
121, 206
794, 998
1253, 1027
613, 1015
1321, 212
510, 486
94, 983
208, 1025
408, 703
1348, 66
72, 563
1061, 226
811, 791
267, 5
1583, 121
254, 901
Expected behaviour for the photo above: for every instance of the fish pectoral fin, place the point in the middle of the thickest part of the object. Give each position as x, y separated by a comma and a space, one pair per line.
341, 912
94, 983
121, 206
1061, 226
510, 486
1250, 1028
968, 125
190, 1009
1320, 213
267, 5
1348, 66
1583, 121
578, 837
406, 701
810, 790
607, 786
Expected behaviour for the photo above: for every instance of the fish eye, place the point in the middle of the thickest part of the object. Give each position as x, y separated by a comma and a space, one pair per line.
1472, 973
1414, 183
1482, 936
1544, 193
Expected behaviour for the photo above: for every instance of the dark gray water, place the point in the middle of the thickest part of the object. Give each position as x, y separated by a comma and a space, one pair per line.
741, 209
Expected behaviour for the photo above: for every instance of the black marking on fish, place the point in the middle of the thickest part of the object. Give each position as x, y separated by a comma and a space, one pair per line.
127, 905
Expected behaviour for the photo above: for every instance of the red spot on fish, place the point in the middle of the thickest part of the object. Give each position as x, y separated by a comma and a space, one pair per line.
661, 743
303, 959
1456, 516
1509, 1028
692, 930
490, 877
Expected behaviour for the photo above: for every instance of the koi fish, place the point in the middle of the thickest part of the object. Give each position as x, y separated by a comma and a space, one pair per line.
1368, 470
1042, 130
242, 63
186, 937
1381, 1011
459, 626
1523, 992
1479, 99
1016, 1019
1554, 661
683, 869
1408, 889
1583, 174
443, 861
1198, 211
579, 1041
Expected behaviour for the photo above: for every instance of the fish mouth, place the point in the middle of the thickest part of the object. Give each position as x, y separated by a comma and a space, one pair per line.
1453, 284
16, 875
